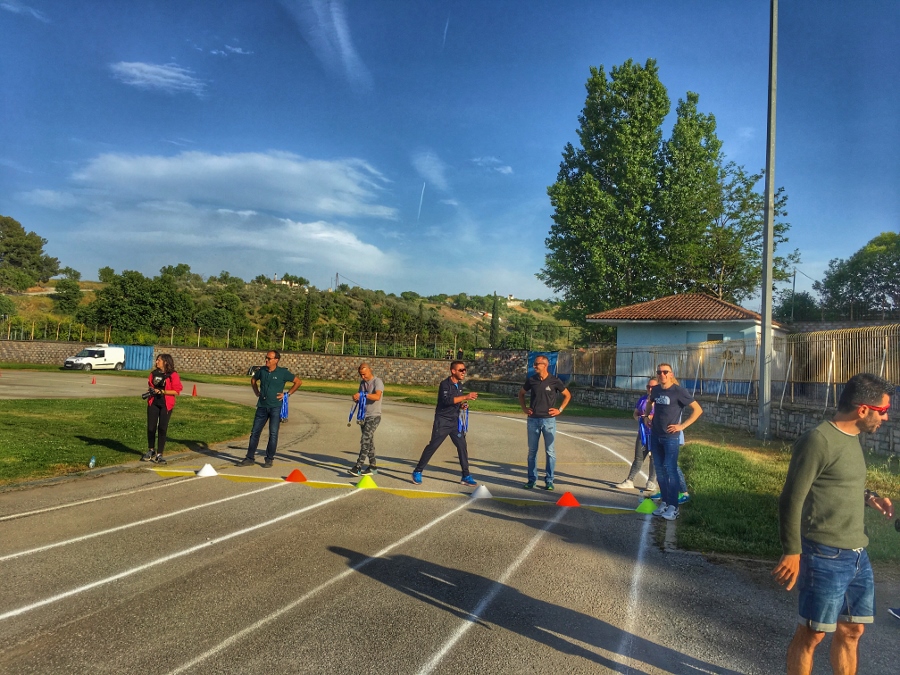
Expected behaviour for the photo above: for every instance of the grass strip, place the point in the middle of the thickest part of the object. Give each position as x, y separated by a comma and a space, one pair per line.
52, 437
734, 497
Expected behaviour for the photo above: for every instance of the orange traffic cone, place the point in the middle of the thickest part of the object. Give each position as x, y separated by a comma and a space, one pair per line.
296, 476
93, 380
194, 393
568, 499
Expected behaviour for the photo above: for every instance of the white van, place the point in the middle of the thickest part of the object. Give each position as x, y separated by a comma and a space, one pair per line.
98, 356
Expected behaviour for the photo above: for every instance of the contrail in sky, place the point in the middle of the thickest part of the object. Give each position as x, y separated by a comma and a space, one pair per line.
446, 26
421, 199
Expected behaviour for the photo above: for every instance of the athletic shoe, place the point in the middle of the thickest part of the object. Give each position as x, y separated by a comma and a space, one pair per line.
267, 464
894, 612
548, 487
655, 497
651, 486
671, 512
368, 471
468, 480
246, 462
529, 485
661, 509
147, 456
158, 459
625, 485
683, 497
354, 471
417, 477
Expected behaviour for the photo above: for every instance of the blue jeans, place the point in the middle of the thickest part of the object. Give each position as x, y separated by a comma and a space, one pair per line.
263, 415
665, 458
536, 427
835, 584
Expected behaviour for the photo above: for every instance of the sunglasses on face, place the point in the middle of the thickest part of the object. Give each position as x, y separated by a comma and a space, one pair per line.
881, 410
663, 372
460, 370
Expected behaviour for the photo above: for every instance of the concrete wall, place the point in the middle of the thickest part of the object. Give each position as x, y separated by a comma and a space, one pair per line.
489, 363
787, 423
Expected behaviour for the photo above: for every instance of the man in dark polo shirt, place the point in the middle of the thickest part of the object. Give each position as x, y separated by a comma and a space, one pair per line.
268, 385
542, 413
823, 535
451, 401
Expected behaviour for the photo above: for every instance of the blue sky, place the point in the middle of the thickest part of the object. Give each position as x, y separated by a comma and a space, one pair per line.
296, 136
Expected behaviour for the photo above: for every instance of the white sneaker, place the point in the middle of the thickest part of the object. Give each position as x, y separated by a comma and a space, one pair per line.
661, 509
651, 487
671, 512
625, 485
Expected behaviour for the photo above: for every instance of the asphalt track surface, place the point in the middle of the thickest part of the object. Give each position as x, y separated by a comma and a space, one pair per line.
137, 571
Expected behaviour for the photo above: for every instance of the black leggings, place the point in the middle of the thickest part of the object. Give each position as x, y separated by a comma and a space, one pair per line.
157, 421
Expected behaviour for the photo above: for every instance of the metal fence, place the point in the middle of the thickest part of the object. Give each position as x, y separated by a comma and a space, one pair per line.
808, 368
328, 340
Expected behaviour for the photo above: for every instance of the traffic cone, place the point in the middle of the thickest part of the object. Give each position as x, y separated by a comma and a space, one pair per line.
481, 492
93, 380
646, 506
568, 499
296, 476
194, 393
207, 471
366, 482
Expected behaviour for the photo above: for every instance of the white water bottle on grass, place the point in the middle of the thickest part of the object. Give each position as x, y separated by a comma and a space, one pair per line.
92, 463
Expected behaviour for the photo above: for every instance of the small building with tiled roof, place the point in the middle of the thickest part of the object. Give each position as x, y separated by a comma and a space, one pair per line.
683, 319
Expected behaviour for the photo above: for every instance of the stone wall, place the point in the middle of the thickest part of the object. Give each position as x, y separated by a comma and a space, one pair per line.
787, 423
35, 351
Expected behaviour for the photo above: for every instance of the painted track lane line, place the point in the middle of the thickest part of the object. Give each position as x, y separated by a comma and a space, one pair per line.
119, 528
634, 596
25, 514
476, 614
172, 556
318, 589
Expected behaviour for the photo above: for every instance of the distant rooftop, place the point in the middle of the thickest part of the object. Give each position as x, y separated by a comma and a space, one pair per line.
677, 308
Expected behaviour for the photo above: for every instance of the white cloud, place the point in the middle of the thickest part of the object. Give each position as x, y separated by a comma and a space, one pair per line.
51, 199
277, 182
19, 8
217, 52
237, 50
323, 24
450, 202
12, 164
169, 78
494, 164
431, 168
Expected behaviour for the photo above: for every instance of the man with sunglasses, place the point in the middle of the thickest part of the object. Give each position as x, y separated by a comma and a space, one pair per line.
542, 413
451, 403
823, 537
268, 385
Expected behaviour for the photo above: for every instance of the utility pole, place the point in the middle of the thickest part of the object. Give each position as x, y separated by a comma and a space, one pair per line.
765, 361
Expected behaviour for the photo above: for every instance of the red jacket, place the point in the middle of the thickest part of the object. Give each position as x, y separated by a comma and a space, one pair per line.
173, 383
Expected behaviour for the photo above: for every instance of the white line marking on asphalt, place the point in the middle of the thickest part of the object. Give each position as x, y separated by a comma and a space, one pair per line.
95, 499
634, 593
586, 440
171, 556
475, 615
287, 608
118, 528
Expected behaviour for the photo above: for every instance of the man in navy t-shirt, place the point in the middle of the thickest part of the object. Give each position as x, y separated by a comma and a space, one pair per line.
668, 400
542, 413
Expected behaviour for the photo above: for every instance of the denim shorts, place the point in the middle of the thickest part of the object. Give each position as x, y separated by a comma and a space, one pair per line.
835, 584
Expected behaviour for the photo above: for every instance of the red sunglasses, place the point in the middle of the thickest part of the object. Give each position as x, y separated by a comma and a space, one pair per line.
879, 409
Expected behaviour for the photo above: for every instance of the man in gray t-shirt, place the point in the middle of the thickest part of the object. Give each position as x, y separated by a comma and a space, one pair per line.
371, 391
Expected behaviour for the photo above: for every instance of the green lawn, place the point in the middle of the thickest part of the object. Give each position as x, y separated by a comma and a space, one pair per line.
735, 485
50, 437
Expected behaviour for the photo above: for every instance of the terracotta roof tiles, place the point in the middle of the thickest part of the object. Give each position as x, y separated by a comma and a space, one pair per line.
682, 307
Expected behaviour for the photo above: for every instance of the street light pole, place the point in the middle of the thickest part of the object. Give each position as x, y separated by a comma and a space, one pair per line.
765, 361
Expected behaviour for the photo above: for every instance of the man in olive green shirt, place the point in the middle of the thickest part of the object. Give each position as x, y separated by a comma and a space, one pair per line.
822, 531
268, 385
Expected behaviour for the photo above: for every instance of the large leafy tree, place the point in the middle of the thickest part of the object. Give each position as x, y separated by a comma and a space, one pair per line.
601, 241
867, 281
22, 258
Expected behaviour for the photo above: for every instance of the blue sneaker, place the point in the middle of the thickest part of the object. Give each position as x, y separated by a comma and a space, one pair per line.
468, 480
684, 497
548, 486
417, 477
894, 612
354, 471
529, 485
656, 497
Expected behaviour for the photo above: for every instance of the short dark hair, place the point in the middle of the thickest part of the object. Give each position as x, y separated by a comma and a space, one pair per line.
276, 353
864, 389
453, 364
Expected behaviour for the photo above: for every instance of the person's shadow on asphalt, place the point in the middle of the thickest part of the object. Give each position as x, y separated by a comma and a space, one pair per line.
560, 628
